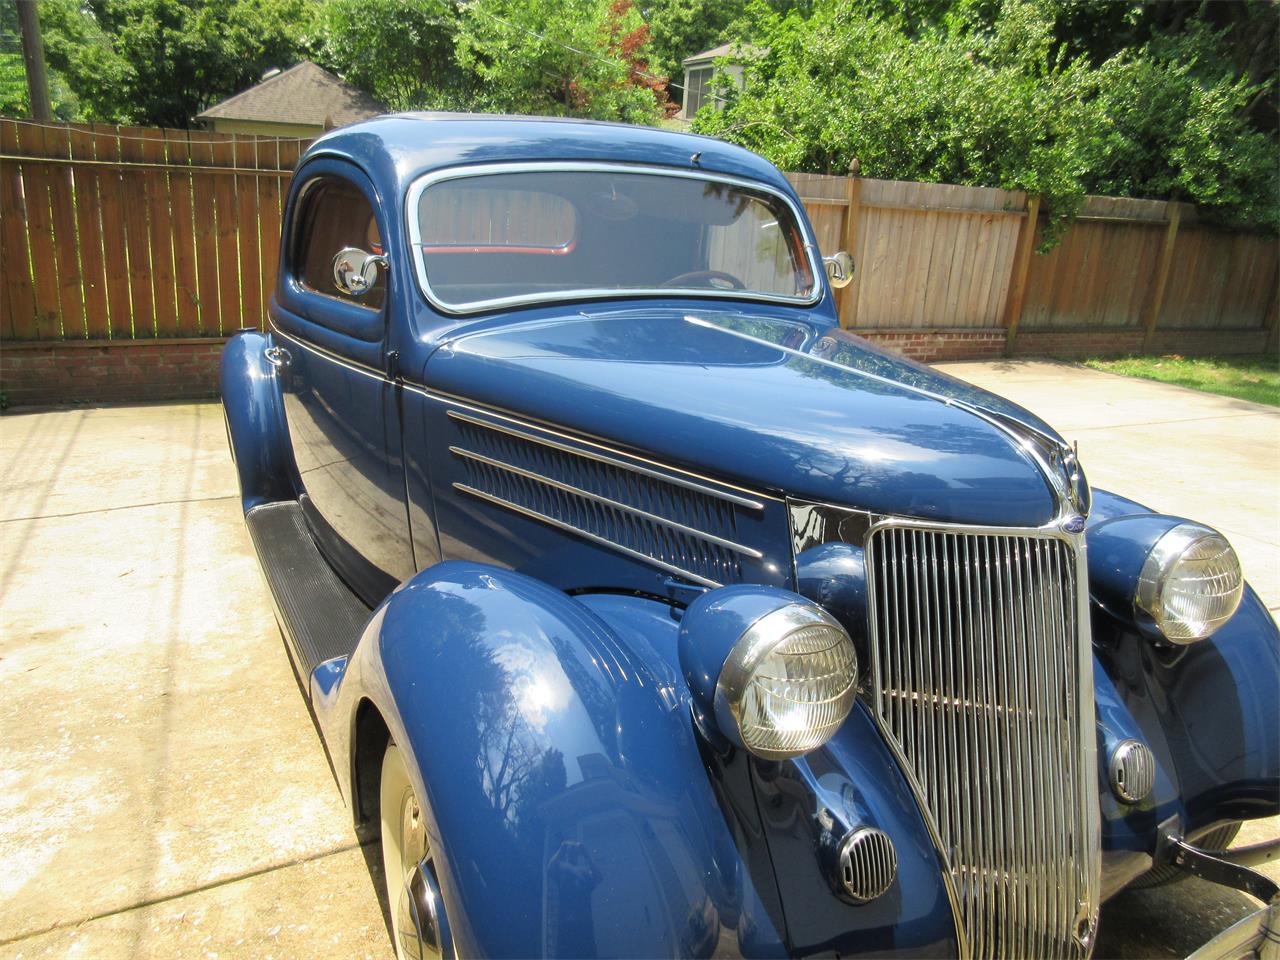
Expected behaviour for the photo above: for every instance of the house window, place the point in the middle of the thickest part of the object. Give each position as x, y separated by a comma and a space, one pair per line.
697, 89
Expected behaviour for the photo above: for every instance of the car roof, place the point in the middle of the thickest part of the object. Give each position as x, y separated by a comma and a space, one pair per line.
396, 149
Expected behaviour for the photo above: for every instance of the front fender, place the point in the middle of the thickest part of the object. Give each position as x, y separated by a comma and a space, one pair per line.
256, 429
1208, 711
567, 800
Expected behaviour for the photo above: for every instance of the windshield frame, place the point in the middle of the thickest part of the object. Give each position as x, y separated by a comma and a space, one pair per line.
413, 199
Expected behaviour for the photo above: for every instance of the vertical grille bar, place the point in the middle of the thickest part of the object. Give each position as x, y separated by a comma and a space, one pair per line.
976, 666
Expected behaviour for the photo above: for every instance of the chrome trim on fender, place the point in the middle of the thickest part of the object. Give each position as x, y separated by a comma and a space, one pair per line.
418, 187
868, 864
1132, 770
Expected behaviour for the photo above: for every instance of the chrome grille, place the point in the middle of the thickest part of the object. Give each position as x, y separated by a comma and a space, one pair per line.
976, 661
681, 527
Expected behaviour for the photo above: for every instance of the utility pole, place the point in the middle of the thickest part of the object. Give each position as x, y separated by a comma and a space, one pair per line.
33, 55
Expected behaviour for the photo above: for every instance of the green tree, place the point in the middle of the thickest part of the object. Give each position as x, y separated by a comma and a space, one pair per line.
585, 58
967, 95
13, 72
163, 61
681, 28
399, 51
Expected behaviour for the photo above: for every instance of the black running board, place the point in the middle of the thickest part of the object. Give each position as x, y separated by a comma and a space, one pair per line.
319, 614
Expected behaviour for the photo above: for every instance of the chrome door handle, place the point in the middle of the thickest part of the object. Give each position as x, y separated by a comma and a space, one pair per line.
276, 356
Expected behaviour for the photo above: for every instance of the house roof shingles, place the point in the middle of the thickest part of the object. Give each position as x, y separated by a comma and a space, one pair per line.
303, 94
740, 50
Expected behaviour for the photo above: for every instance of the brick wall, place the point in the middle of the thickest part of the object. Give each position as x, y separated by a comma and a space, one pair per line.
930, 345
49, 373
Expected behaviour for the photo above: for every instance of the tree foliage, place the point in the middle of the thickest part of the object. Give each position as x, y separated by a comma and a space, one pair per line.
399, 51
1145, 98
587, 58
965, 95
163, 61
681, 28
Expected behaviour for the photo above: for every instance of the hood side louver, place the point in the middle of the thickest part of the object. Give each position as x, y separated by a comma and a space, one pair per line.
679, 526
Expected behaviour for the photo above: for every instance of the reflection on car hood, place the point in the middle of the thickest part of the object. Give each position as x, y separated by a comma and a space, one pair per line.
772, 404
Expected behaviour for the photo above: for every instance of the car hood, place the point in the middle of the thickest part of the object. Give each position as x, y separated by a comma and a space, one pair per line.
769, 403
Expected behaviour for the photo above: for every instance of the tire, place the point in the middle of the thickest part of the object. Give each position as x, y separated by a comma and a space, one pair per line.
404, 845
1218, 838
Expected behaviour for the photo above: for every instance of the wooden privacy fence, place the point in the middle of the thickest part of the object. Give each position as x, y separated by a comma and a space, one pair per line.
134, 233
130, 233
938, 257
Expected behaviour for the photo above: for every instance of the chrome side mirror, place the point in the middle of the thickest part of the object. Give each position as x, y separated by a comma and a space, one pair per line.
355, 272
839, 269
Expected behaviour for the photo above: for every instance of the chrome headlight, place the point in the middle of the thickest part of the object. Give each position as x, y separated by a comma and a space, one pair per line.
775, 673
1191, 583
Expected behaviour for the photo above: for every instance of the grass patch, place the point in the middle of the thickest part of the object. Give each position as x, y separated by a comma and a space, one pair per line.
1255, 377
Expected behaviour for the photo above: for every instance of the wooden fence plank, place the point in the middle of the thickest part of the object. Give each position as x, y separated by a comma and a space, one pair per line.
19, 294
160, 218
246, 156
848, 301
228, 225
57, 144
37, 185
1018, 279
114, 243
93, 277
187, 290
133, 197
1152, 313
270, 191
206, 237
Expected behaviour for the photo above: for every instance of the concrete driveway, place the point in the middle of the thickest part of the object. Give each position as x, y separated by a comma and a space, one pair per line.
162, 791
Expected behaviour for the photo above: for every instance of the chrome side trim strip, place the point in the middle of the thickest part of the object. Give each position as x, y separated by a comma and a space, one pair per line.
324, 354
552, 521
635, 511
680, 481
676, 476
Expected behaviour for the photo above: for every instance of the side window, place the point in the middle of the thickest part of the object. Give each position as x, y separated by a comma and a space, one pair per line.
335, 215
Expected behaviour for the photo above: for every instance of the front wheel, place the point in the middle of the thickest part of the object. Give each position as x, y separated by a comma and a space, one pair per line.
419, 927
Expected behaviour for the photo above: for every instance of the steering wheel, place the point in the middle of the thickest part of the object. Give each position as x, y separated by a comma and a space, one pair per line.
710, 276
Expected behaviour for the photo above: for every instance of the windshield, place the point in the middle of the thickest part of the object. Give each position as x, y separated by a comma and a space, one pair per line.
490, 238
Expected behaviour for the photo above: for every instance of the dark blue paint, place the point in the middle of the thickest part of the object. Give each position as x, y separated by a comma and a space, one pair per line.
541, 740
838, 436
590, 695
256, 429
1191, 701
833, 575
1117, 550
850, 782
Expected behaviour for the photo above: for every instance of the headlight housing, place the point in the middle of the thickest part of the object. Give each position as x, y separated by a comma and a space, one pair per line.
1191, 583
771, 671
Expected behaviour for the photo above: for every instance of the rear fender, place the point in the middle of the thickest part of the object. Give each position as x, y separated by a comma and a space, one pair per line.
256, 428
567, 798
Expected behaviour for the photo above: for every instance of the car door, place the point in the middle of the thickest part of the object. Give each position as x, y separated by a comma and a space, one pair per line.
340, 404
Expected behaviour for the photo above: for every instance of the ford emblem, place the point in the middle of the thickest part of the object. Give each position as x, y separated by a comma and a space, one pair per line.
1073, 524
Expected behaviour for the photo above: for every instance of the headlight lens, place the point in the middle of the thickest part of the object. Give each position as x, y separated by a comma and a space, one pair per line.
788, 683
1190, 584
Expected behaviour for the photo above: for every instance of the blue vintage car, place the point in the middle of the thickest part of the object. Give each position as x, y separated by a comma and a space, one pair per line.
644, 612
